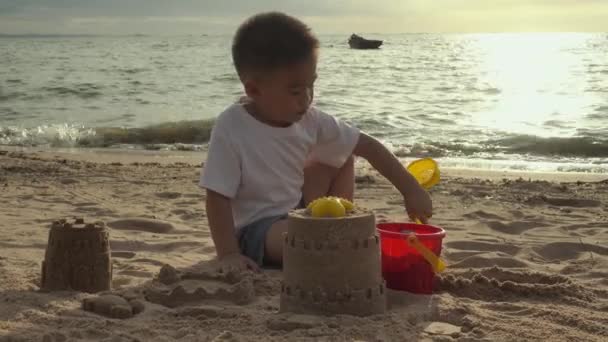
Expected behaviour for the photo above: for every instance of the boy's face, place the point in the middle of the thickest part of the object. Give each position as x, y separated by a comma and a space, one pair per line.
283, 96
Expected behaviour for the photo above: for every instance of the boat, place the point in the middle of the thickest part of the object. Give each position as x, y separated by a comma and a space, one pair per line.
358, 42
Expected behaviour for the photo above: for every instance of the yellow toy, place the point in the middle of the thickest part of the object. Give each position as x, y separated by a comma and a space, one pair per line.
425, 171
330, 207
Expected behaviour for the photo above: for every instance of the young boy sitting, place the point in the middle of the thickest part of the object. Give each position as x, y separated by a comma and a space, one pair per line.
274, 151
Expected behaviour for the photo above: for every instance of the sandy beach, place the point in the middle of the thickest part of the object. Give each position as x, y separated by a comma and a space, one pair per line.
527, 256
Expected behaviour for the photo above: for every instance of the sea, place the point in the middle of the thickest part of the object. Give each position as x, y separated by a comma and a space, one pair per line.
505, 101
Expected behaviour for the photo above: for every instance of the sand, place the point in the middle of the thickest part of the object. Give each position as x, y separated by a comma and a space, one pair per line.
527, 259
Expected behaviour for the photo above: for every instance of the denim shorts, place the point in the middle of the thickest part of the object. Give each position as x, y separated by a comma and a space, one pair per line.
252, 237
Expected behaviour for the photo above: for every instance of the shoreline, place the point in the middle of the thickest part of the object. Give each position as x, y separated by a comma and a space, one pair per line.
195, 158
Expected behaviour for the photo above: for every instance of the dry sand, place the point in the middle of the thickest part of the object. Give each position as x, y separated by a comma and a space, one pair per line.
528, 260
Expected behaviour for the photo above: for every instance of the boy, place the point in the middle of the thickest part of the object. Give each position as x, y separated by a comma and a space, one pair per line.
274, 152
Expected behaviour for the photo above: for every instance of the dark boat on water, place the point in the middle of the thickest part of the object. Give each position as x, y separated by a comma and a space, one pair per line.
358, 42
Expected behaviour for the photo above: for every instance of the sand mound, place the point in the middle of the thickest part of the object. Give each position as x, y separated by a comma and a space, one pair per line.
176, 288
499, 284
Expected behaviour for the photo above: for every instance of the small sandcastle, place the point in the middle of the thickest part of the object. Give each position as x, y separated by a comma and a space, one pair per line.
332, 265
77, 257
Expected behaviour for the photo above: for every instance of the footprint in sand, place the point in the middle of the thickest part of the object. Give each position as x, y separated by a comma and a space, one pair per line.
515, 227
490, 259
95, 211
188, 203
188, 215
510, 309
169, 195
586, 225
483, 246
143, 224
194, 195
180, 212
149, 261
68, 181
568, 250
140, 246
85, 204
564, 202
480, 214
573, 202
123, 254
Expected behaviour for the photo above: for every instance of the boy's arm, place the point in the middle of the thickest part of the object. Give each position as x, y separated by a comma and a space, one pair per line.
221, 225
417, 201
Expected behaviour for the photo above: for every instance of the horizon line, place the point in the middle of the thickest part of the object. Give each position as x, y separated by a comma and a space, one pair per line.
50, 35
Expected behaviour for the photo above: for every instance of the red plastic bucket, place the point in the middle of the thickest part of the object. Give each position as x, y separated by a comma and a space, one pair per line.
403, 268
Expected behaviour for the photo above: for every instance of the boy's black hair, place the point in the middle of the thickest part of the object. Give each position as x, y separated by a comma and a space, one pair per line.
269, 40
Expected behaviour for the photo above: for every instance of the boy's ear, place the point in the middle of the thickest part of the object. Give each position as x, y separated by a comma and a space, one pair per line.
251, 88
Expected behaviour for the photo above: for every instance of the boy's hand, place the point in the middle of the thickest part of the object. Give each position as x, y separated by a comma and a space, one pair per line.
221, 225
418, 204
417, 201
237, 262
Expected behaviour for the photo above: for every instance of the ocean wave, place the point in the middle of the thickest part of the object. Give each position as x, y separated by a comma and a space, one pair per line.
67, 135
597, 116
133, 70
49, 135
184, 132
230, 77
486, 91
520, 145
10, 96
9, 114
187, 135
556, 124
83, 90
446, 89
574, 146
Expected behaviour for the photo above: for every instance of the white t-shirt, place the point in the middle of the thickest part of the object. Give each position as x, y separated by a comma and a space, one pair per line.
261, 168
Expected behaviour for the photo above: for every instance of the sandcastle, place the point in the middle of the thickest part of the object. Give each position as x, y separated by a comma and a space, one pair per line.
332, 265
77, 257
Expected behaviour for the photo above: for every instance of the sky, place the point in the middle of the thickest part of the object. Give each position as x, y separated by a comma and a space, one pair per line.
172, 17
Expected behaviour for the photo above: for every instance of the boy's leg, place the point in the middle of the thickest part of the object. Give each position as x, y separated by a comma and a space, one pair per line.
322, 180
319, 180
273, 245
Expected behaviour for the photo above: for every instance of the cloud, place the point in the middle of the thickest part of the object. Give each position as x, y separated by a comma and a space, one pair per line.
145, 8
340, 16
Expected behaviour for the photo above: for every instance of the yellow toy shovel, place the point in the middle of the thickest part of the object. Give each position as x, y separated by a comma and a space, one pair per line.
426, 172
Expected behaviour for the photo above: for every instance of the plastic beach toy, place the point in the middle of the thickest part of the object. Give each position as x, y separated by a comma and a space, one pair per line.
330, 207
409, 255
426, 172
436, 262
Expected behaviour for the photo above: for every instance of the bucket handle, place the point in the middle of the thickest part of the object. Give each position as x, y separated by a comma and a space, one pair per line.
436, 262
